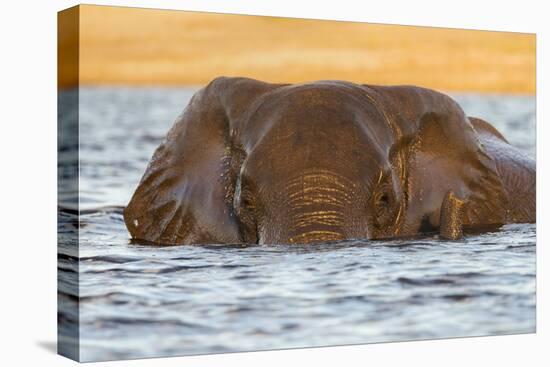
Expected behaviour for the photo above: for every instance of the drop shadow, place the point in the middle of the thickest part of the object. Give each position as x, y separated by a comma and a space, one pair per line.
50, 346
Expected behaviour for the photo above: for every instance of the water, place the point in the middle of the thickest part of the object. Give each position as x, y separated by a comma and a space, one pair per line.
143, 301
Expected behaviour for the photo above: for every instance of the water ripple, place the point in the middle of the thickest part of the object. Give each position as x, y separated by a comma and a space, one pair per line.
138, 300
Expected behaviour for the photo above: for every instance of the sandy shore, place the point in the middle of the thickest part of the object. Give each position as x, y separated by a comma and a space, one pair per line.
142, 47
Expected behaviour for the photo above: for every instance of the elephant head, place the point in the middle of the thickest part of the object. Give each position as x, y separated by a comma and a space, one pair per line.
254, 162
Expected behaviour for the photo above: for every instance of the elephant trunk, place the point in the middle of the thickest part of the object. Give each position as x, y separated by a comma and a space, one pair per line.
317, 225
314, 207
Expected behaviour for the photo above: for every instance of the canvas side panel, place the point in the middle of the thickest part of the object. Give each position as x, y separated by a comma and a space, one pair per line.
68, 183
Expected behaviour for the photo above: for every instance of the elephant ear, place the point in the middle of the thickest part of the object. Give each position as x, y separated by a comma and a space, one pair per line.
516, 169
184, 196
443, 154
486, 130
449, 157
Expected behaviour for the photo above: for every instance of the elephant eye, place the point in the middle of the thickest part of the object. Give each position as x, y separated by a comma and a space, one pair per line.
384, 199
245, 208
382, 205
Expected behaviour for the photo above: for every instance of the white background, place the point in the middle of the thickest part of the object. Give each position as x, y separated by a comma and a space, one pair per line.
28, 182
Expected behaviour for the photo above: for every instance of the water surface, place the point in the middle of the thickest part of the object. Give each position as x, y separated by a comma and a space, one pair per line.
143, 301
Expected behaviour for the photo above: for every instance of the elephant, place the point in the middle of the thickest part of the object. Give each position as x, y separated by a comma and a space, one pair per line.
263, 163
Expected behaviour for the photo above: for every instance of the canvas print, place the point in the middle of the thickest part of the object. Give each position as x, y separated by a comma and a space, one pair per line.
233, 183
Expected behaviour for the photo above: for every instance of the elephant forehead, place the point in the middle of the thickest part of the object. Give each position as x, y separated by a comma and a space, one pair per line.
279, 157
329, 176
285, 151
338, 110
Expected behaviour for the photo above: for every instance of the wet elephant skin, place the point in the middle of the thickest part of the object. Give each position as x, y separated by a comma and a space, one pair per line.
254, 162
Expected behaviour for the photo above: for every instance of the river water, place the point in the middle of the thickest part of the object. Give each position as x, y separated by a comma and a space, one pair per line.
139, 301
